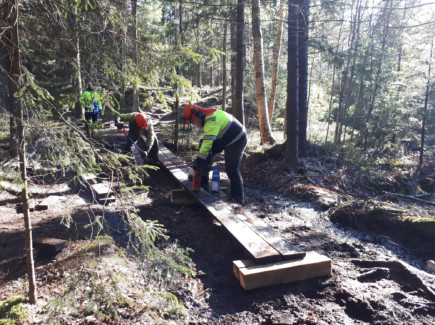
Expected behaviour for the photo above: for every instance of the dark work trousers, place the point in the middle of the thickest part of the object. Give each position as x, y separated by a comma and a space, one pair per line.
91, 116
233, 158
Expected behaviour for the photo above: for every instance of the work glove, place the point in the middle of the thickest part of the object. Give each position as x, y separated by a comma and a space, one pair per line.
144, 156
198, 164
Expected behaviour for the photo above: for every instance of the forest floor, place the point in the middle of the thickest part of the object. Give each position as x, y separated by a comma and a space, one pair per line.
364, 219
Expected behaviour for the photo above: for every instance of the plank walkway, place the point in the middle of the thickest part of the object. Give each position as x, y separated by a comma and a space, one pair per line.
258, 238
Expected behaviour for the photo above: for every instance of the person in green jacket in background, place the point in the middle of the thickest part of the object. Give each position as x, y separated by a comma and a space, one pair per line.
141, 133
91, 101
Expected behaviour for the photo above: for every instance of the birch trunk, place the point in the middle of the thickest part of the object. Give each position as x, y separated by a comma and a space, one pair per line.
263, 115
292, 146
271, 102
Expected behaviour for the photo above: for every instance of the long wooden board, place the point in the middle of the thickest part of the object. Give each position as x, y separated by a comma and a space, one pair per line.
252, 276
269, 234
256, 236
255, 245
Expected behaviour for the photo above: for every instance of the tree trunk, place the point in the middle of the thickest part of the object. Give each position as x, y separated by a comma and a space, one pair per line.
12, 42
133, 4
378, 72
340, 106
350, 66
122, 59
10, 15
275, 68
233, 29
303, 16
292, 146
78, 110
224, 68
330, 103
425, 110
265, 131
198, 74
240, 62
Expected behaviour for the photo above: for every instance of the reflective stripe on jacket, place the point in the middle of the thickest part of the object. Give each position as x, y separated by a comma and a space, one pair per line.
220, 130
88, 98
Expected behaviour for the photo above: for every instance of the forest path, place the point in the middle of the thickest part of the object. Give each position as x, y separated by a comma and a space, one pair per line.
371, 282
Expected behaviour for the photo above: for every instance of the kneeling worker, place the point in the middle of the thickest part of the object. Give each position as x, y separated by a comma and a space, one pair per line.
141, 132
222, 132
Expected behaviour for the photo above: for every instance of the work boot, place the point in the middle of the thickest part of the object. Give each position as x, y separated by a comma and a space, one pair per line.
238, 199
204, 185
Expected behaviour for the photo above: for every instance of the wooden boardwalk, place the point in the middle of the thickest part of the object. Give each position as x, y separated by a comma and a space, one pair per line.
258, 238
274, 261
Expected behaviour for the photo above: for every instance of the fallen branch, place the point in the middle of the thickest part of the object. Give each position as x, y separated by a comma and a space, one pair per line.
412, 198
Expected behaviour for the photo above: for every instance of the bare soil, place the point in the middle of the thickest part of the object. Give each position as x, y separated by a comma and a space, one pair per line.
376, 279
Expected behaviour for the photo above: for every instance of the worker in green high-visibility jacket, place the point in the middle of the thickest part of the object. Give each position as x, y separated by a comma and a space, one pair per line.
91, 101
222, 132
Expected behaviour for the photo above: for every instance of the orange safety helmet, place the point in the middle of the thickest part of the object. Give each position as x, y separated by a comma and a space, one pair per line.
141, 120
201, 112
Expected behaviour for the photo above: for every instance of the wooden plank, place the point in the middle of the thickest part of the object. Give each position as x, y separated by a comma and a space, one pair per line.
257, 276
92, 178
270, 235
255, 245
101, 189
267, 233
183, 196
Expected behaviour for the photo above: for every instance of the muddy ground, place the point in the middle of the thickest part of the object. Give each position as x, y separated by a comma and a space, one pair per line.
375, 279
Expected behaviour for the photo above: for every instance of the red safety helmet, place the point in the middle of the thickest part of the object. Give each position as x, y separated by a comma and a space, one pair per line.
190, 110
141, 120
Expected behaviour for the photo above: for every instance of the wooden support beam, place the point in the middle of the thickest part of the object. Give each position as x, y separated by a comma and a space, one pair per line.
182, 196
45, 203
103, 192
252, 275
31, 204
49, 246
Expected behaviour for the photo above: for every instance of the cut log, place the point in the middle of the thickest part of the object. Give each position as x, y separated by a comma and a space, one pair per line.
257, 276
49, 247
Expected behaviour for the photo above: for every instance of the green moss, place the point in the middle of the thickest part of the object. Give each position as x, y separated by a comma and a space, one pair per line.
12, 311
